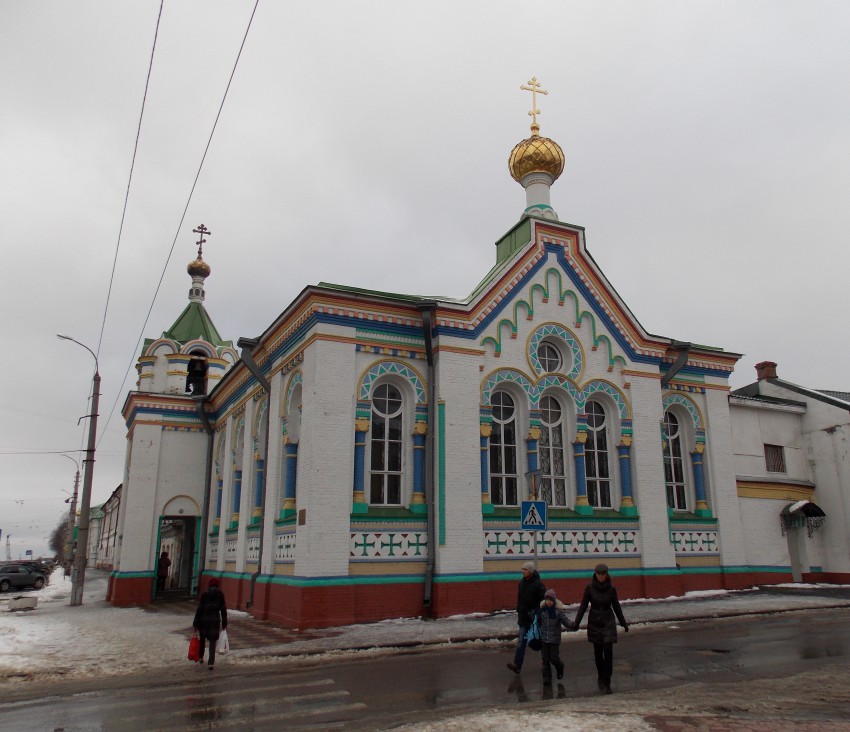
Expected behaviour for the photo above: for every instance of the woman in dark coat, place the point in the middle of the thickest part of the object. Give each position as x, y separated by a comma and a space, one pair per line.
210, 619
601, 595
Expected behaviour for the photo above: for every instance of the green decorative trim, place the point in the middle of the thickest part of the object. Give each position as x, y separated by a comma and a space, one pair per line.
417, 579
687, 517
146, 574
441, 447
419, 508
585, 511
385, 514
285, 516
359, 508
704, 513
487, 509
629, 511
232, 530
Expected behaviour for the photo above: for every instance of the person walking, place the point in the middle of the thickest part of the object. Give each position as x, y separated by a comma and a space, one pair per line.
601, 595
529, 595
210, 619
551, 617
162, 565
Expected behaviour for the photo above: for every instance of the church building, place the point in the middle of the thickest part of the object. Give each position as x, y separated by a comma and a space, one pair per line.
375, 455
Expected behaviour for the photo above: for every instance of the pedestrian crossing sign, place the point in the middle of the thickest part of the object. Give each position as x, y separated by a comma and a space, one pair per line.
533, 515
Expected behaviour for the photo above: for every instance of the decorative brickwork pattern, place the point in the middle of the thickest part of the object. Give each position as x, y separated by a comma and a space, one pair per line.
552, 330
253, 553
284, 547
562, 542
699, 541
390, 545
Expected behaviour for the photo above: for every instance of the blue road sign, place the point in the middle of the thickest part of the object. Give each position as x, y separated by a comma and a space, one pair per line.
533, 515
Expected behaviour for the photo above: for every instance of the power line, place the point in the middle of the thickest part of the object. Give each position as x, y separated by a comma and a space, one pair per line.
129, 180
182, 218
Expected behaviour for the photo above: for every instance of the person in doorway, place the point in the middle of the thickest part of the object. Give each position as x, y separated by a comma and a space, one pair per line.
162, 567
551, 617
529, 595
601, 595
210, 619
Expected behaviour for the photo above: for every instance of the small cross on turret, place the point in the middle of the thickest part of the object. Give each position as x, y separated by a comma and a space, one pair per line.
202, 231
534, 88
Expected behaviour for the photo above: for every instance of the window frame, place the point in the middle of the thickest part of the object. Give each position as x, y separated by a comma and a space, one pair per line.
676, 489
591, 450
503, 478
779, 455
402, 444
567, 429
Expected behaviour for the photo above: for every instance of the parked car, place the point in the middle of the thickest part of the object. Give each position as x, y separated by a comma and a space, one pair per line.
17, 575
35, 565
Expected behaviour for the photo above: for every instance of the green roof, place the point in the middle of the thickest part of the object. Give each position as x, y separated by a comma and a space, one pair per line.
194, 323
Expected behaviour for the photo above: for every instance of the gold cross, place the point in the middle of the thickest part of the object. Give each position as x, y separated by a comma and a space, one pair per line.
534, 88
203, 231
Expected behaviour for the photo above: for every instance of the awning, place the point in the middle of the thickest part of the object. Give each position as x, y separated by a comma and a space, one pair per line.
802, 513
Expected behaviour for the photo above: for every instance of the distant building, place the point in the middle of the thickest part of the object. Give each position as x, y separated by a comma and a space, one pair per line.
368, 454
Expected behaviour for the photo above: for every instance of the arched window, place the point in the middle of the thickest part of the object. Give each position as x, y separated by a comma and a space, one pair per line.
503, 451
674, 466
597, 469
386, 446
549, 357
553, 482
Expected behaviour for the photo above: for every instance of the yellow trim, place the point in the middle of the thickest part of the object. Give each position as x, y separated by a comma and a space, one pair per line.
708, 561
776, 491
642, 374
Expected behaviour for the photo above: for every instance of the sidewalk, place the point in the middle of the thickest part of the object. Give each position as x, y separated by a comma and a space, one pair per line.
252, 638
58, 641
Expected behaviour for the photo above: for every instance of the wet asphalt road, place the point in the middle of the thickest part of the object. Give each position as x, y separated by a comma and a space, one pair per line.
386, 690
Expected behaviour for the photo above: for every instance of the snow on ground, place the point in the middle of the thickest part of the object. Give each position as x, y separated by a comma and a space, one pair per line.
93, 638
57, 640
556, 720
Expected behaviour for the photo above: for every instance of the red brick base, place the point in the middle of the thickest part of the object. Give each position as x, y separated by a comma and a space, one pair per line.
128, 591
324, 606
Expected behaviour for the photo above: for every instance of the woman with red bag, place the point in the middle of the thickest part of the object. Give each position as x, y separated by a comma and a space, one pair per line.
210, 619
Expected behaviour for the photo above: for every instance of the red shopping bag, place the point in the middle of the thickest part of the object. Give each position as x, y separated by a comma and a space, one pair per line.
194, 648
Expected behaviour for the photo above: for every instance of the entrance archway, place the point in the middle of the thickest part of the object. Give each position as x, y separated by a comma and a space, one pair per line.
178, 535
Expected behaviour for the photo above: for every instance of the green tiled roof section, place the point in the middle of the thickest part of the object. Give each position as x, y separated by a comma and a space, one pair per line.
506, 247
194, 323
514, 240
374, 293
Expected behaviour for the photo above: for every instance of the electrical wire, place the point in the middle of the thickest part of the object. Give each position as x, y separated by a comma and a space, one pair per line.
129, 180
180, 224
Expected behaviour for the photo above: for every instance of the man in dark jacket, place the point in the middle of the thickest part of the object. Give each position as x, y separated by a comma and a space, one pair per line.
529, 596
210, 618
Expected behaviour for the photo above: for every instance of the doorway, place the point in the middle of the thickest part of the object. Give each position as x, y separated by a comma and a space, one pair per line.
178, 537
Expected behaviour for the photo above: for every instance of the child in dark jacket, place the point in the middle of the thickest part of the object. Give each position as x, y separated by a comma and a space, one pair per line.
551, 617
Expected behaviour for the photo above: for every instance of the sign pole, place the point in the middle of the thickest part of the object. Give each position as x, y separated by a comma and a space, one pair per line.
534, 474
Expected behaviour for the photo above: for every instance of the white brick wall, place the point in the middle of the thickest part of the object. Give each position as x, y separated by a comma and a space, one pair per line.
721, 486
648, 488
458, 377
326, 459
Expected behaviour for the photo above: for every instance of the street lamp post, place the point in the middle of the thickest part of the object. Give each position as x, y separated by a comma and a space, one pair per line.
72, 518
78, 576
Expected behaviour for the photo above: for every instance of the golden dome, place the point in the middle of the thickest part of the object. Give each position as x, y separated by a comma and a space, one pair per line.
536, 155
198, 268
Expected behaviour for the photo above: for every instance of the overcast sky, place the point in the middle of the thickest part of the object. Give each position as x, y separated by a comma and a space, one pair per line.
366, 143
